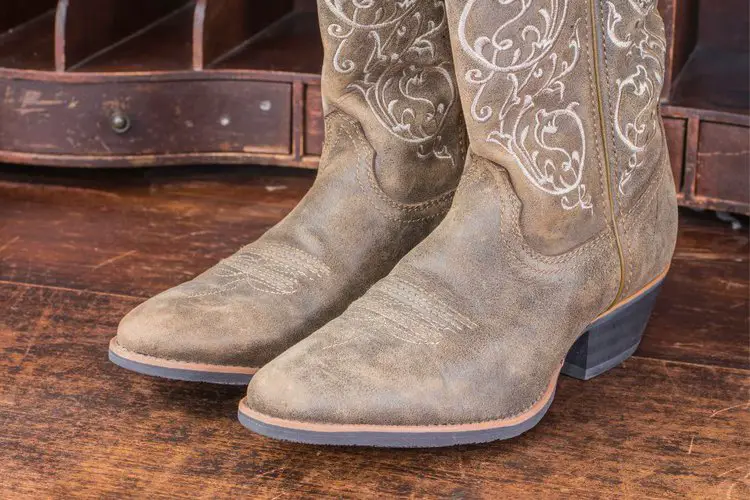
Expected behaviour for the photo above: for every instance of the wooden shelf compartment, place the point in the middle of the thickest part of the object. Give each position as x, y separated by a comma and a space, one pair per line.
291, 44
112, 36
27, 34
237, 81
715, 76
707, 102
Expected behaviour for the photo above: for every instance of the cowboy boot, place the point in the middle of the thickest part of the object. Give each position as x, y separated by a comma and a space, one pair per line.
393, 156
549, 261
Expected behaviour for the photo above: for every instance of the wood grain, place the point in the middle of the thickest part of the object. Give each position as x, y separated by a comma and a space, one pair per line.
137, 236
79, 249
171, 64
74, 424
167, 226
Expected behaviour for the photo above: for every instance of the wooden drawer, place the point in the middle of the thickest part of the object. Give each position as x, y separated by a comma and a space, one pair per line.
675, 129
314, 124
723, 171
155, 118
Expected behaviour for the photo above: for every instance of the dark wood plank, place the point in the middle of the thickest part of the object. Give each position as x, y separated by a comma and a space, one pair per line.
31, 45
703, 311
701, 315
124, 234
314, 122
17, 12
135, 235
86, 27
724, 163
675, 131
222, 26
74, 424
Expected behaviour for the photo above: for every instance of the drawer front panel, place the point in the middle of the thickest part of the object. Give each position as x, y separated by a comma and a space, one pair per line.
314, 124
723, 163
149, 118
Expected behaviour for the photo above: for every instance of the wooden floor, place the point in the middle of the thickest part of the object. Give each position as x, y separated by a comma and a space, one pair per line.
78, 250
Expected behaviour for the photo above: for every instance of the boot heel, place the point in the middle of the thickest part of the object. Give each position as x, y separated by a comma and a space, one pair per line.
611, 339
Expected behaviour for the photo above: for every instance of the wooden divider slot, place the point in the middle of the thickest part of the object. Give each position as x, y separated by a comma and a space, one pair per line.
18, 12
123, 35
680, 23
27, 30
715, 76
223, 26
290, 44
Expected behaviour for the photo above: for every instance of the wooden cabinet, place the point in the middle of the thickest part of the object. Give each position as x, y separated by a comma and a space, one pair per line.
137, 82
100, 121
706, 101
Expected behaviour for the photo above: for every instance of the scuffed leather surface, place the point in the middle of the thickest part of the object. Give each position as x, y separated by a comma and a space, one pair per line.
379, 192
470, 326
632, 59
649, 229
475, 321
389, 66
525, 70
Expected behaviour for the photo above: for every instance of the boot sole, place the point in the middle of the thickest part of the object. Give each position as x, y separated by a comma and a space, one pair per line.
607, 342
178, 370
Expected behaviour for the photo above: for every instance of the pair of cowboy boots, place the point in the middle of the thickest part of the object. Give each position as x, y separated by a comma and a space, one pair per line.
433, 284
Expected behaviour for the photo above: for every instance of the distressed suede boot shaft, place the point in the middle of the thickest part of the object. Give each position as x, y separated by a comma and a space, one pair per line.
549, 260
394, 151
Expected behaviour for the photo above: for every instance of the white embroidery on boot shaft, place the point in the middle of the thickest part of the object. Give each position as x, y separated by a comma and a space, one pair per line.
637, 126
522, 54
399, 78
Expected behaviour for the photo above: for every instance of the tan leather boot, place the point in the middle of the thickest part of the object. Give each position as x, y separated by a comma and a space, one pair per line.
394, 152
561, 231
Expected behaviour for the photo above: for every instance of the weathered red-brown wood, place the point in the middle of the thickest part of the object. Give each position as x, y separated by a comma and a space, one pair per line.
76, 425
134, 235
723, 153
102, 47
172, 118
314, 133
675, 131
79, 249
86, 27
224, 26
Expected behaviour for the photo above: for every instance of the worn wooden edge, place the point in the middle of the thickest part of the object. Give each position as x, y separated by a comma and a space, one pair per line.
158, 76
725, 117
152, 160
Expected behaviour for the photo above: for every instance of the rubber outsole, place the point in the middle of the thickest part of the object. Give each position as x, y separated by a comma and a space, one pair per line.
178, 370
606, 343
395, 436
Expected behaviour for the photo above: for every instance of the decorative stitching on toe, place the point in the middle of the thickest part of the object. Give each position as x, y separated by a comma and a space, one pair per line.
273, 268
409, 313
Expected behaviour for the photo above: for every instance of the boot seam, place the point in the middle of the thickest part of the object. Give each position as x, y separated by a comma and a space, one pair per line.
597, 139
612, 197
